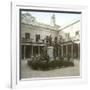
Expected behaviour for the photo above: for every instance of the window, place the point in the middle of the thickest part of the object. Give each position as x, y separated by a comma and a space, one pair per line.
27, 36
37, 37
77, 33
67, 35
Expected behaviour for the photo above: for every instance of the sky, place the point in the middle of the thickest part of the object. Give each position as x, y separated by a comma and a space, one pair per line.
61, 18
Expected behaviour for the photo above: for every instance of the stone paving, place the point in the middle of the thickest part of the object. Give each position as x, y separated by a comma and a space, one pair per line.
27, 72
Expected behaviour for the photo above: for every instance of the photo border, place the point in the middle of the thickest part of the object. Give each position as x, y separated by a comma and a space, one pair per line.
15, 46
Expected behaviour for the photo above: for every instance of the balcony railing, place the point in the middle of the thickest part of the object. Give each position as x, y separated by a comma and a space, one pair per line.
31, 41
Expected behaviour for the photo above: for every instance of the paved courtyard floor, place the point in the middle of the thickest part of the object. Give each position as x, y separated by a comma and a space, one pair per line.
27, 72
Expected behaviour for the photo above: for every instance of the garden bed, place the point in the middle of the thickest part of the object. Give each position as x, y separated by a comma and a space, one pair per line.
43, 64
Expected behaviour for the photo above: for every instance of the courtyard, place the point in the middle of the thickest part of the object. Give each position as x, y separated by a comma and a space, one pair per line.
27, 72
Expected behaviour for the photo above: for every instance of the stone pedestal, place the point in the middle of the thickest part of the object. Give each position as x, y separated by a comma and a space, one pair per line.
50, 52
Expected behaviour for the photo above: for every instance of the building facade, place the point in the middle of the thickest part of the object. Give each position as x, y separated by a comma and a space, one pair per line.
35, 36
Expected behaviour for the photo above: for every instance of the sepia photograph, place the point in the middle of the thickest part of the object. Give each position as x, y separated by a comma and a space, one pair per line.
49, 43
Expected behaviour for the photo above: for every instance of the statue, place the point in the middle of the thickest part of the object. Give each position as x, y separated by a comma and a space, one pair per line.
55, 48
50, 40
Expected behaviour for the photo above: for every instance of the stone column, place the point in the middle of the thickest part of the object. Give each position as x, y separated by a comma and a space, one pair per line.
32, 50
78, 50
62, 51
72, 53
58, 51
24, 51
66, 50
38, 50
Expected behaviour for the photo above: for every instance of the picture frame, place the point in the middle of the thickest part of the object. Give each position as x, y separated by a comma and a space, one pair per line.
16, 82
